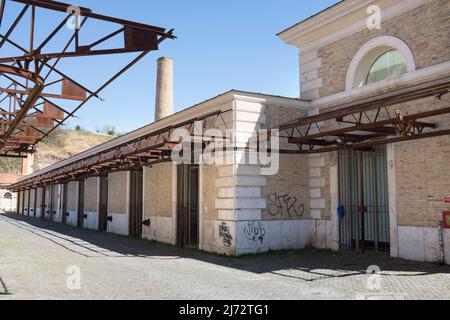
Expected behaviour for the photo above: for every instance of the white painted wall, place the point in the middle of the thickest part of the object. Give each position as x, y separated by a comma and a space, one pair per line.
422, 244
91, 222
161, 230
72, 218
271, 235
119, 224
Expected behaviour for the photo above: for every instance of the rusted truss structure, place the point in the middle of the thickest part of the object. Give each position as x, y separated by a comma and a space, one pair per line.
145, 151
35, 93
366, 123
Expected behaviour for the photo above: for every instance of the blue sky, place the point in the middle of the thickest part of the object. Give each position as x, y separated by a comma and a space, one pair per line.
221, 45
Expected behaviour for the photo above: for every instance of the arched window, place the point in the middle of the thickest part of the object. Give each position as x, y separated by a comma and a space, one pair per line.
7, 195
389, 65
381, 58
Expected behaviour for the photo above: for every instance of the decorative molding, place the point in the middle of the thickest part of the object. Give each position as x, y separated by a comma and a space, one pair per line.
340, 21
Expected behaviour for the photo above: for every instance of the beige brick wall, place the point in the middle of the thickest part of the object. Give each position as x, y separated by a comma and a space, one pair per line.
426, 30
287, 193
72, 192
423, 179
117, 192
91, 195
210, 192
158, 191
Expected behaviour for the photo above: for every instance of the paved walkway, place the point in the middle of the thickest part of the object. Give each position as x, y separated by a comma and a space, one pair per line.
35, 257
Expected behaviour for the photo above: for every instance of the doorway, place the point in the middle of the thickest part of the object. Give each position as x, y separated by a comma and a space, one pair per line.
64, 203
103, 205
136, 205
80, 207
188, 206
43, 203
35, 203
364, 200
50, 203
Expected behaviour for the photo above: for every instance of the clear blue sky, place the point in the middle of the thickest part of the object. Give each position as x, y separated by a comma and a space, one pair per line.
221, 45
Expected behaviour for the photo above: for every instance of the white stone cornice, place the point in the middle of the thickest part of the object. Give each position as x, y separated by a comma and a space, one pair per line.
342, 20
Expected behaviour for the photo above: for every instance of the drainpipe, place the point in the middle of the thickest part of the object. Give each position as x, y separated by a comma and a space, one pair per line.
441, 241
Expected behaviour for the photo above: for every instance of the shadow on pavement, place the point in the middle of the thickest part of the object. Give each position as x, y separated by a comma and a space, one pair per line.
3, 288
306, 265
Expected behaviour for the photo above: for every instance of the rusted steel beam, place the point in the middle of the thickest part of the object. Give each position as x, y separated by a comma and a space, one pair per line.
85, 12
14, 25
369, 144
138, 37
429, 89
372, 126
2, 10
155, 144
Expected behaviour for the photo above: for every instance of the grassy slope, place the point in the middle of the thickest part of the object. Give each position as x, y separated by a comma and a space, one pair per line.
64, 144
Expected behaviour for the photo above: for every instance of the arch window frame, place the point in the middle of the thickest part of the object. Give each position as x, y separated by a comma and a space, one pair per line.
369, 53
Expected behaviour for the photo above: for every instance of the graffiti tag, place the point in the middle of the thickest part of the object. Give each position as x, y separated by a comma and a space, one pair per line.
224, 232
255, 231
280, 205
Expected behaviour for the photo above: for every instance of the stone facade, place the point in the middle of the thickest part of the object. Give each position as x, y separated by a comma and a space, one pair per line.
425, 30
243, 209
421, 167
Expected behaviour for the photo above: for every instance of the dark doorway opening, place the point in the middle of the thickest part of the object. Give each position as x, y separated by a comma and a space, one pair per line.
43, 203
29, 211
363, 192
35, 202
136, 203
22, 211
103, 205
188, 206
80, 207
52, 204
64, 213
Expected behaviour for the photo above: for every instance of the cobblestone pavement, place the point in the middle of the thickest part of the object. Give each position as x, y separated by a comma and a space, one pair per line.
35, 255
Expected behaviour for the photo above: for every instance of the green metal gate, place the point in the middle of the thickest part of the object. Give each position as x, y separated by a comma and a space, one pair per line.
364, 199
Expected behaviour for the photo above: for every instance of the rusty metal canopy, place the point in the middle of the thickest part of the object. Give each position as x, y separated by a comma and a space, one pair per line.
365, 123
147, 150
31, 107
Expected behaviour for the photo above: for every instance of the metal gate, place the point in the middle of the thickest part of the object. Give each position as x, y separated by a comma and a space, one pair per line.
364, 200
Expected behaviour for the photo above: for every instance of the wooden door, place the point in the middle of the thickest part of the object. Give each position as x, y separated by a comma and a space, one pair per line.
64, 203
188, 206
136, 203
103, 205
80, 207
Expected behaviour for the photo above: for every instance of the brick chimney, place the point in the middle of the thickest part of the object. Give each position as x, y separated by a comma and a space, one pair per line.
27, 165
164, 89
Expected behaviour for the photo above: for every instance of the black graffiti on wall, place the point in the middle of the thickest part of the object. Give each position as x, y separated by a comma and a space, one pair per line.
255, 231
280, 205
225, 234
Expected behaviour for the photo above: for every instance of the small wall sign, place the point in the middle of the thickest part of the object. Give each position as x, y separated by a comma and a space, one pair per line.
446, 219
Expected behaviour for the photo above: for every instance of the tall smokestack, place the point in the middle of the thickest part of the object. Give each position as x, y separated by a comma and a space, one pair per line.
27, 165
164, 89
